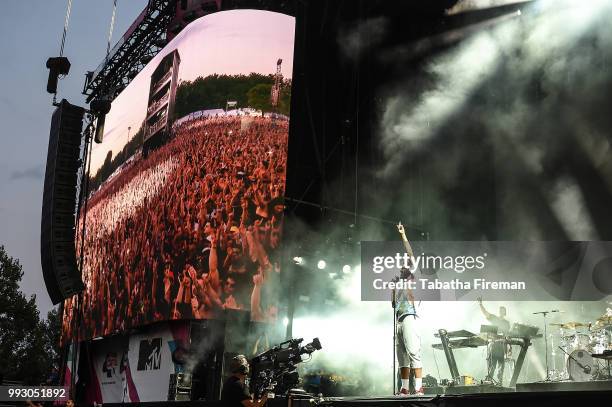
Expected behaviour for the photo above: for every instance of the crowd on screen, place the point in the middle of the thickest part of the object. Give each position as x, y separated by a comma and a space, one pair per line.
188, 231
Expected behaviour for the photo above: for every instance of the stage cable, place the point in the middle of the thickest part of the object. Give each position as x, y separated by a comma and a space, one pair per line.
110, 30
84, 195
66, 21
357, 96
79, 299
63, 40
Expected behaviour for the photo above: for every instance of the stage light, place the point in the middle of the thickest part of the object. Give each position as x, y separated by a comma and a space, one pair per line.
333, 275
321, 264
57, 66
298, 260
346, 269
100, 107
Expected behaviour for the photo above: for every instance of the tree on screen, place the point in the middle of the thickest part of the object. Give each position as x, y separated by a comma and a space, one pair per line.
28, 346
284, 105
213, 91
259, 97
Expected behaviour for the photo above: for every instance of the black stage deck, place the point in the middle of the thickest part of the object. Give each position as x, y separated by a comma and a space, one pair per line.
516, 399
578, 398
594, 385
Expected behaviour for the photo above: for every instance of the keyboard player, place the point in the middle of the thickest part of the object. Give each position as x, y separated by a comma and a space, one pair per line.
497, 348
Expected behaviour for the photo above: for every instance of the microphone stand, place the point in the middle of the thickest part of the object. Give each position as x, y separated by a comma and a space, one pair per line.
544, 314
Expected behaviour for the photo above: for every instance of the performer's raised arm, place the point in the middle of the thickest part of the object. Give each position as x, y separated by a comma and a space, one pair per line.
486, 313
402, 232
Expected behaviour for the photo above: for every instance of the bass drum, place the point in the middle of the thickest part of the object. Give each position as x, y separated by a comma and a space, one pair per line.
580, 366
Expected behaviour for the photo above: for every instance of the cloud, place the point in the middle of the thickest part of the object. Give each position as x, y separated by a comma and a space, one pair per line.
36, 172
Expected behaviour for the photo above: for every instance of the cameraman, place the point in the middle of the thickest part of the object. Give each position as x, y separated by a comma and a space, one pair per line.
235, 392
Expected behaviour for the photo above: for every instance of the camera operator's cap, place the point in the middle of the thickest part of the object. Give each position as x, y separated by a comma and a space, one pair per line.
239, 364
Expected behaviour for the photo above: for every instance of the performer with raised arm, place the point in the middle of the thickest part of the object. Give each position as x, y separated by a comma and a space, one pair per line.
408, 344
496, 352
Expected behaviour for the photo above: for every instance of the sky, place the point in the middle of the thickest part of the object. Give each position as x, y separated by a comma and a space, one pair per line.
232, 42
31, 32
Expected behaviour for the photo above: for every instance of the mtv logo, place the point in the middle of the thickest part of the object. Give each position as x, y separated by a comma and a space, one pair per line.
149, 354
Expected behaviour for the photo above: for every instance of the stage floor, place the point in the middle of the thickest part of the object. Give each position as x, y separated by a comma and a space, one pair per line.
594, 385
514, 399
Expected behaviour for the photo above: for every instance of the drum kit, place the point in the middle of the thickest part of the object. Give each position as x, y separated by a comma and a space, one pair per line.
586, 349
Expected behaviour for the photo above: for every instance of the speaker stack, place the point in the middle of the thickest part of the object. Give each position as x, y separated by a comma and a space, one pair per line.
58, 253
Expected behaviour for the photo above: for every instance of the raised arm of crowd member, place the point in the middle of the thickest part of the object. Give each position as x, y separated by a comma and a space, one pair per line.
256, 311
187, 286
213, 263
260, 252
250, 239
179, 295
244, 218
107, 290
191, 272
228, 259
212, 294
202, 291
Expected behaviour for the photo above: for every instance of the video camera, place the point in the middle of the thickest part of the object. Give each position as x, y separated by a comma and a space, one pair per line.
275, 370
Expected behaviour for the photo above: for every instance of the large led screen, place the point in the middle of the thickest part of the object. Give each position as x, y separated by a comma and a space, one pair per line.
186, 191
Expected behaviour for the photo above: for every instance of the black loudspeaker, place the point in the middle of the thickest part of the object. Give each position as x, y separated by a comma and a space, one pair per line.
180, 387
57, 237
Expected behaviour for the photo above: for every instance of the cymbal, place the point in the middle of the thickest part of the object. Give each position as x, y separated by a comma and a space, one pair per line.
604, 320
570, 325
